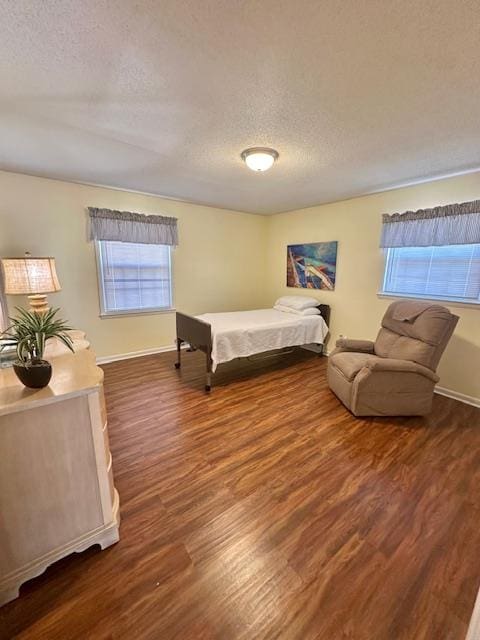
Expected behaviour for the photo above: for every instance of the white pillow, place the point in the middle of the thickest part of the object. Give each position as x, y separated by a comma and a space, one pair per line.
311, 311
297, 302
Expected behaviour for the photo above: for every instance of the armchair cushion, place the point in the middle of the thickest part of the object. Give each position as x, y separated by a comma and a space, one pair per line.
392, 345
421, 335
349, 364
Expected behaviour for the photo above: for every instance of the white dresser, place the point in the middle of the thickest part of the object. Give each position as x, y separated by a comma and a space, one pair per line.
57, 493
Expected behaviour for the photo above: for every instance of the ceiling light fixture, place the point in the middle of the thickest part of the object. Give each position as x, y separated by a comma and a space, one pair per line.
259, 158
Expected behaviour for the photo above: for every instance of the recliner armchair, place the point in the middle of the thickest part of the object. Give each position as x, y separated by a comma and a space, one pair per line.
395, 375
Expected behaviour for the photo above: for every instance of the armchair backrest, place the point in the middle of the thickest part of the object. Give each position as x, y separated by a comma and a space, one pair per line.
415, 331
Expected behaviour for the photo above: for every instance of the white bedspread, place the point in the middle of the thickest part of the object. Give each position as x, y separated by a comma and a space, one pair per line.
244, 333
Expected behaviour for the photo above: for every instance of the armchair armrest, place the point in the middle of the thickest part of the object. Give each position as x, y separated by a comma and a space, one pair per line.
392, 364
360, 346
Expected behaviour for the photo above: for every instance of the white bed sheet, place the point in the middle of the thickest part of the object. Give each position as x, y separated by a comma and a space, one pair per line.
239, 334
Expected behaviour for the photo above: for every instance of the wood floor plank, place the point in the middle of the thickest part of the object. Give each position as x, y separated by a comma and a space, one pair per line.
266, 511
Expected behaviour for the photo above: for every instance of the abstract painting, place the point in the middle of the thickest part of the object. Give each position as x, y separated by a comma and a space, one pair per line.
312, 266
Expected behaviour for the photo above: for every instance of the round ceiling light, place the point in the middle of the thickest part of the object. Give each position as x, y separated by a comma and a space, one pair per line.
259, 158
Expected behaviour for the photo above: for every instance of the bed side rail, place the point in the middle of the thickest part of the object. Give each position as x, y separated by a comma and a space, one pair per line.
198, 334
194, 331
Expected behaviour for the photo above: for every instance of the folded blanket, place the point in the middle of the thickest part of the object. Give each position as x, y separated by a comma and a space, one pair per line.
408, 310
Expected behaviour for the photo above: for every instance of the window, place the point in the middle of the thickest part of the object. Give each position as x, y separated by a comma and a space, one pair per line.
133, 277
444, 272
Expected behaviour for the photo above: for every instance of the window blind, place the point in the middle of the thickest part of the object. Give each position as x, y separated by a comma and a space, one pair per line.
449, 272
134, 277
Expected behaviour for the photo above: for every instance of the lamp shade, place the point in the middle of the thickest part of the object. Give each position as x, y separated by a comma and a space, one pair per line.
30, 275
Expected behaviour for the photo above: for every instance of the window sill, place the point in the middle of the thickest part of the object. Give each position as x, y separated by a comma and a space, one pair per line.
135, 312
446, 301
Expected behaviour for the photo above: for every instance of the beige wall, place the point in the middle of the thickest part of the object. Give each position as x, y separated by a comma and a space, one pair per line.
218, 265
228, 260
356, 309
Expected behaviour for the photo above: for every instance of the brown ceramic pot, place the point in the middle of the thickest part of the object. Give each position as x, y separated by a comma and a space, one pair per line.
36, 375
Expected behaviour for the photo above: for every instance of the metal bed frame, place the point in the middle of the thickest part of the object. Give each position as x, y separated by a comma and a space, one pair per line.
198, 334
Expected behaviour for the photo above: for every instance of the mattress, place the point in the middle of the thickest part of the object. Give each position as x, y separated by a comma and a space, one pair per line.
238, 334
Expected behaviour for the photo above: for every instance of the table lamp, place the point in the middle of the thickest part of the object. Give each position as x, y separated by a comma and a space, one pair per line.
34, 277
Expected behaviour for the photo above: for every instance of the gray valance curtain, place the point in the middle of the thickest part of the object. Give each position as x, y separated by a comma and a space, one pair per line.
450, 224
126, 226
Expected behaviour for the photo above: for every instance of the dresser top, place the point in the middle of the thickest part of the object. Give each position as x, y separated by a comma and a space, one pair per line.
73, 374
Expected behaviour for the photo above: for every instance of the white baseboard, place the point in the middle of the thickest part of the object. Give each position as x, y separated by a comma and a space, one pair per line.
449, 393
456, 395
134, 354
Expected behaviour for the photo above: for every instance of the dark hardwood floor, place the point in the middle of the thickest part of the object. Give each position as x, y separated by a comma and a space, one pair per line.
266, 510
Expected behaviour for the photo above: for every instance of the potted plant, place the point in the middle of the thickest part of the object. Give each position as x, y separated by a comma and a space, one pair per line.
28, 333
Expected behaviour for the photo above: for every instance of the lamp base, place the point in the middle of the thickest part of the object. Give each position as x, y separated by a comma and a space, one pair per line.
38, 303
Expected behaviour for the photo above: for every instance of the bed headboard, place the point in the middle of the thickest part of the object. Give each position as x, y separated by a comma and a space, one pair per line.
325, 312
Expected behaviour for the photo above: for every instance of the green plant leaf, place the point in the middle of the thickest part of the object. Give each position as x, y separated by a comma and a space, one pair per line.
29, 332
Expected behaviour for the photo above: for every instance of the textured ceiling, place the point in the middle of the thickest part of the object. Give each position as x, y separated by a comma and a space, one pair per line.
162, 96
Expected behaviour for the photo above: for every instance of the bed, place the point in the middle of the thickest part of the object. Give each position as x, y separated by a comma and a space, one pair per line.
240, 334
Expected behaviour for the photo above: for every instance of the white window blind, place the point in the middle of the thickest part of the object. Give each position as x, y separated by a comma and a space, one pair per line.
444, 272
134, 277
